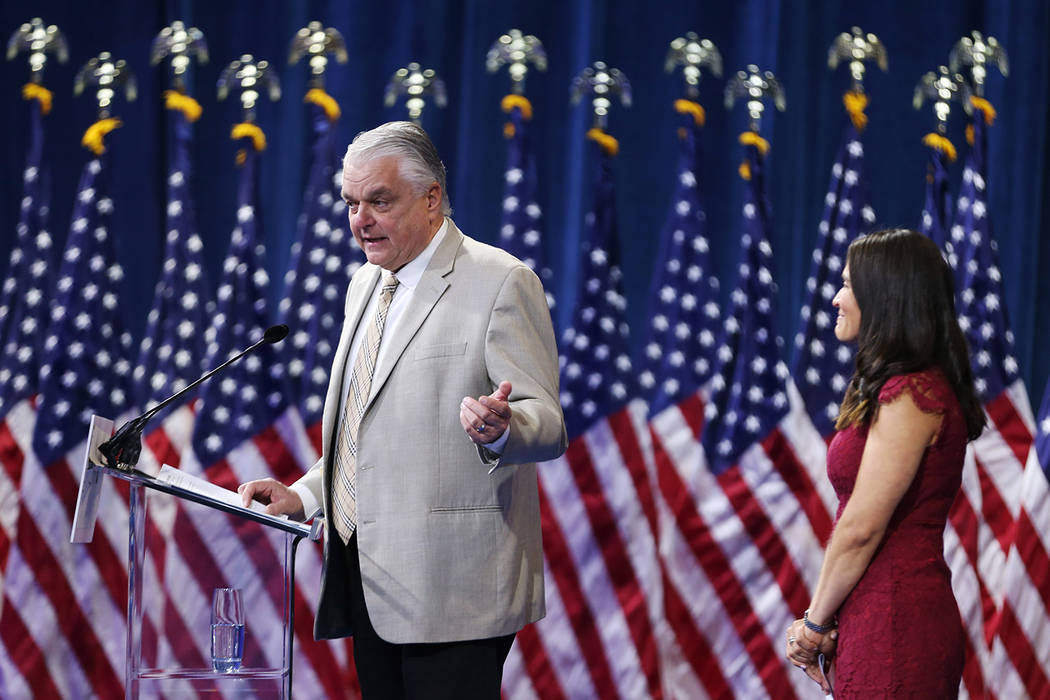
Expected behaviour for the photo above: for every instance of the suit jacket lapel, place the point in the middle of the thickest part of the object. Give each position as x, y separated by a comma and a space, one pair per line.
356, 301
430, 288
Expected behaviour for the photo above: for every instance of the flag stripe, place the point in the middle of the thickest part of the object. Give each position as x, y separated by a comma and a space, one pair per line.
696, 650
161, 446
1010, 425
994, 512
794, 474
1036, 562
972, 677
707, 549
673, 437
964, 521
1020, 651
69, 617
12, 460
23, 651
623, 430
555, 635
583, 624
618, 565
538, 666
764, 535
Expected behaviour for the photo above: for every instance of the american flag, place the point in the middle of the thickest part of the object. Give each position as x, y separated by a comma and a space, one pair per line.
1023, 630
171, 356
520, 232
601, 636
822, 365
936, 208
678, 355
72, 643
986, 518
678, 358
245, 429
323, 258
249, 396
749, 519
24, 315
23, 320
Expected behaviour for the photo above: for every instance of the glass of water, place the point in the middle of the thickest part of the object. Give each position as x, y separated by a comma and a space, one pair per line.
227, 630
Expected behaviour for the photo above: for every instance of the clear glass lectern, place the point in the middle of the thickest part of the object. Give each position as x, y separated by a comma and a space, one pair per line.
192, 544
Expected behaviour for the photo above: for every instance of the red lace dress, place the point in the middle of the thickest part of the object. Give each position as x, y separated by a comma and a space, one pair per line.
900, 634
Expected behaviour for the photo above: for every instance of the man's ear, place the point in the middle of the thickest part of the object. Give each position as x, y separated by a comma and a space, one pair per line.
434, 196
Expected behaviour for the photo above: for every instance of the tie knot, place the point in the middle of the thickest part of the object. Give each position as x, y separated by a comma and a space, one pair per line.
389, 282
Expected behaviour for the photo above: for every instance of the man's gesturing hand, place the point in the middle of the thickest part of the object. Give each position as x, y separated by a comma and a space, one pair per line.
486, 418
279, 499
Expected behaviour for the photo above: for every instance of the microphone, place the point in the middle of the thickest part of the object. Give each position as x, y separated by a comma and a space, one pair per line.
123, 449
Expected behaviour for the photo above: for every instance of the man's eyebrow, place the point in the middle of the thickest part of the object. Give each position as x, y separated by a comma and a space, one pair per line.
378, 191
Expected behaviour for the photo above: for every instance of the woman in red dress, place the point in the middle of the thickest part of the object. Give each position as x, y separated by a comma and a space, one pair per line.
884, 595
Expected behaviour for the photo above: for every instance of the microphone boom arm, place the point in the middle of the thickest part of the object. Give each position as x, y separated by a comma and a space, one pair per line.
123, 449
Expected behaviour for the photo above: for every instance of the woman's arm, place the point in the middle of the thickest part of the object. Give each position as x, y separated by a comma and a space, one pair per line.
896, 442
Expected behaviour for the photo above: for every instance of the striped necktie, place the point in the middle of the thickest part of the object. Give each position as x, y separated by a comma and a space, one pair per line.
344, 488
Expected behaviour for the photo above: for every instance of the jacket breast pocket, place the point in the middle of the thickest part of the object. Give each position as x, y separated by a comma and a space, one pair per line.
442, 350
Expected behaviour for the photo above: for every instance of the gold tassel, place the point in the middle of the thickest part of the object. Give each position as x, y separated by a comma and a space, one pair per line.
508, 103
183, 103
856, 103
93, 137
246, 130
985, 107
325, 101
607, 143
693, 108
32, 91
750, 138
940, 143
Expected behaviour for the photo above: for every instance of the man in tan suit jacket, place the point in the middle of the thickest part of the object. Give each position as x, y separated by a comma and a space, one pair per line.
444, 564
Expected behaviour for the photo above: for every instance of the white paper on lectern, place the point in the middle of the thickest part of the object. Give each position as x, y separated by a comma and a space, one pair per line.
188, 482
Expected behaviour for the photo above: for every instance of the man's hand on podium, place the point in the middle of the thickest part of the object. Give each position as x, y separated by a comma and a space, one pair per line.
279, 499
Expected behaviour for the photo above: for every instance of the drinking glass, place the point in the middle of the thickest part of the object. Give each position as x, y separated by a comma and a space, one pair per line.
227, 630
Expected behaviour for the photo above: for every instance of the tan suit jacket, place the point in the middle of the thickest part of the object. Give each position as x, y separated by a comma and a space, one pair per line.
448, 535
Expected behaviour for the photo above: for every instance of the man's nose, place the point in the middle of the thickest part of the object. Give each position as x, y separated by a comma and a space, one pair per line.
362, 217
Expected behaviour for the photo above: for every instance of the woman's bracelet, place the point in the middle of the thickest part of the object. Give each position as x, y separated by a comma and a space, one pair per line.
819, 629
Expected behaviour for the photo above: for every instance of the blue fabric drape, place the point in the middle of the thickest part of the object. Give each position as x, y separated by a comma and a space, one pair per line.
788, 37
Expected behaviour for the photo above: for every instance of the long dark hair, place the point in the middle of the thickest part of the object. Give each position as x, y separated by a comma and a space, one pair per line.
906, 295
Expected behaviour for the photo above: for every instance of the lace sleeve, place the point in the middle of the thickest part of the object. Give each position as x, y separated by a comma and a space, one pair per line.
926, 389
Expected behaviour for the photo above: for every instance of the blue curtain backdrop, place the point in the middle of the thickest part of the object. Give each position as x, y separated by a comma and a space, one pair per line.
788, 37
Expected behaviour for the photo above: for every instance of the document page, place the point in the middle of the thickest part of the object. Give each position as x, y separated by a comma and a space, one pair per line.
175, 477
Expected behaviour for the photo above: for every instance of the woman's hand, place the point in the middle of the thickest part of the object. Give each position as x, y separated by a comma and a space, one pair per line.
803, 647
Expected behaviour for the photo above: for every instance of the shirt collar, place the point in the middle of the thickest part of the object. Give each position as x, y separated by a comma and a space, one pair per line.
409, 274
